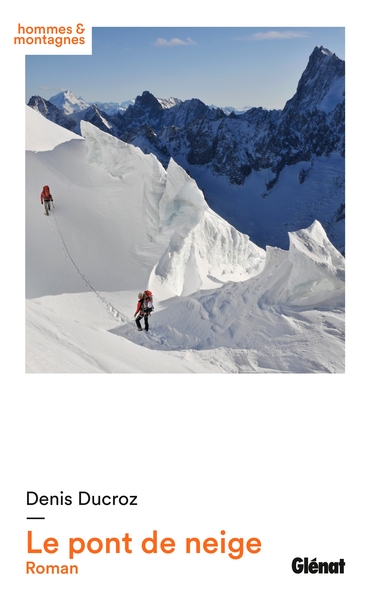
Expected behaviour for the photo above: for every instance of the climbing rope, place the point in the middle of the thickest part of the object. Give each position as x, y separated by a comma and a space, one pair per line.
114, 311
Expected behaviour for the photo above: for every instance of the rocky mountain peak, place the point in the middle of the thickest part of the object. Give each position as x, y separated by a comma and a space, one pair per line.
147, 101
323, 71
146, 108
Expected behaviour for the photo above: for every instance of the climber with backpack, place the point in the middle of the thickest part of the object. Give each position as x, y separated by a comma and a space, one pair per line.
46, 198
144, 309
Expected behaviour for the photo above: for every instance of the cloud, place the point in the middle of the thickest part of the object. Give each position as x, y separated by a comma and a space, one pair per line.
174, 42
52, 88
276, 35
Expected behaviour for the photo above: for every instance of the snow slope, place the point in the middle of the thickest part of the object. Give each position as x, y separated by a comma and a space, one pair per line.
42, 135
122, 223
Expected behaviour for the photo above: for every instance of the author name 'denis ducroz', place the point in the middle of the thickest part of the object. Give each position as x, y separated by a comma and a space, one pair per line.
84, 498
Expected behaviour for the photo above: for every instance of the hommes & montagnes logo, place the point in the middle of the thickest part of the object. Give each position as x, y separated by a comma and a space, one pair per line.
50, 35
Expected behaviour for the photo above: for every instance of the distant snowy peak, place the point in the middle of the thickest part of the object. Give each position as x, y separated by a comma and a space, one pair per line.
68, 102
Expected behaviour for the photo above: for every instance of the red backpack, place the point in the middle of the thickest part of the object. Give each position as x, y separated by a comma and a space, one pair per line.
46, 191
147, 305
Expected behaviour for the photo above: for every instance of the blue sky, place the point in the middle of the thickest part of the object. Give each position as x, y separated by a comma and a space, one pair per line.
225, 66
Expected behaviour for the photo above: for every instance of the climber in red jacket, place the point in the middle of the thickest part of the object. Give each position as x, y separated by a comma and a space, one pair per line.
46, 198
144, 308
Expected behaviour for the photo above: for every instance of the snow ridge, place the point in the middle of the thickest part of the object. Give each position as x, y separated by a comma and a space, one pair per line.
201, 248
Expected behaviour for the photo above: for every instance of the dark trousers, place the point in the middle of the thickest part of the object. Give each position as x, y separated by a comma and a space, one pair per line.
138, 319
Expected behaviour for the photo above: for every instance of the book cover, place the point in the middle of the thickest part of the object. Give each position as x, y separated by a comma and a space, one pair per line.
132, 471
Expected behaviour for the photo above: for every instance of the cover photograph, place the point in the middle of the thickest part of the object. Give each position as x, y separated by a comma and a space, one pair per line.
222, 205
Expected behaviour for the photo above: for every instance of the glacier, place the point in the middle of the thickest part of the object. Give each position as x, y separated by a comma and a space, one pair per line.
122, 223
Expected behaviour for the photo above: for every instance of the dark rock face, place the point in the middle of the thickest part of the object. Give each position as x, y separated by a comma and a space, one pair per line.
98, 118
51, 112
311, 124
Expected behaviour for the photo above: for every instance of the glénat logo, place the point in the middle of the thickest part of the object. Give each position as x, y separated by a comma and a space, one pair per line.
304, 565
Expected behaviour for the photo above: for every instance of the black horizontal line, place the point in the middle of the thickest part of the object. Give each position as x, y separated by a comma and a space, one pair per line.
35, 517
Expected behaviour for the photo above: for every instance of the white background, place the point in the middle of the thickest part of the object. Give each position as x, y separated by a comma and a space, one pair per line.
281, 458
